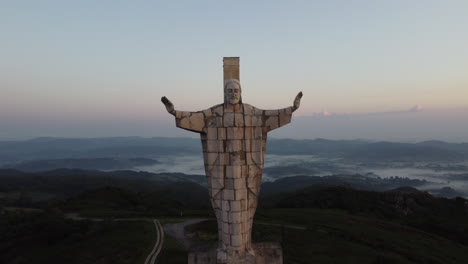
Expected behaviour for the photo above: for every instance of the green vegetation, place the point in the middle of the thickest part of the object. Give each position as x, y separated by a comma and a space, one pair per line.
444, 217
172, 252
356, 181
22, 210
67, 182
105, 194
49, 238
205, 231
117, 202
321, 224
112, 202
336, 236
333, 236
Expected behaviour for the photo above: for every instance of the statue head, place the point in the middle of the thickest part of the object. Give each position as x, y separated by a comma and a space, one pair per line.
232, 92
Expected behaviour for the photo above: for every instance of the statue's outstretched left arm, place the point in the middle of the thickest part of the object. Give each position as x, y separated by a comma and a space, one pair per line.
169, 105
192, 121
278, 118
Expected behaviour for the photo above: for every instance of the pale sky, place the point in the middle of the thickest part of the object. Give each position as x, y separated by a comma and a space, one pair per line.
99, 68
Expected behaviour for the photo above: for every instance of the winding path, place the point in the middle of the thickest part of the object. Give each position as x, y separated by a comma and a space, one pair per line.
151, 259
176, 230
153, 255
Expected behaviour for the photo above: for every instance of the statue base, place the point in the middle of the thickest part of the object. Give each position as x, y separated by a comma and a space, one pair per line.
265, 253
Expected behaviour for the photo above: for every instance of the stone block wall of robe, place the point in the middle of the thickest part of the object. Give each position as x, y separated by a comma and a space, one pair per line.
234, 143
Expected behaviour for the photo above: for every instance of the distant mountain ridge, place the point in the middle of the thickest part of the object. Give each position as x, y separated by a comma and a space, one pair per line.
116, 147
138, 147
389, 151
82, 163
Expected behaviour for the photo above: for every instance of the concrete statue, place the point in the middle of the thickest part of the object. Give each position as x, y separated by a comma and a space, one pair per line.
233, 136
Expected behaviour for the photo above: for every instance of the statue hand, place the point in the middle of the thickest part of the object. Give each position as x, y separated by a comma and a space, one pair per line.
169, 106
297, 101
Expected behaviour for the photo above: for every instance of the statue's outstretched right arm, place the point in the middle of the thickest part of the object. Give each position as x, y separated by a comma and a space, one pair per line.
192, 121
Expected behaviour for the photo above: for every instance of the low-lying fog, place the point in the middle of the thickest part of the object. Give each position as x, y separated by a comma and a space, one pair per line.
454, 175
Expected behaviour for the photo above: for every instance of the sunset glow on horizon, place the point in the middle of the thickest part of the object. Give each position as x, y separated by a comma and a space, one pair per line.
88, 68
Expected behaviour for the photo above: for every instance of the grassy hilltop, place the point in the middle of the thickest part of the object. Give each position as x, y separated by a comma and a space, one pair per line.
315, 224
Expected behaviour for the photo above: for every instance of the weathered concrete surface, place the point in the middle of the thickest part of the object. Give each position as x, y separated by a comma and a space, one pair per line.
234, 143
265, 253
233, 136
231, 68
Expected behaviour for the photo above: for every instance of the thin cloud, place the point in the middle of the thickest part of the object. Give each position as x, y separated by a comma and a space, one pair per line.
416, 108
325, 114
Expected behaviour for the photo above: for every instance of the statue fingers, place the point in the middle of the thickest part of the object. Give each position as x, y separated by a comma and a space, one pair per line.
297, 101
166, 101
299, 95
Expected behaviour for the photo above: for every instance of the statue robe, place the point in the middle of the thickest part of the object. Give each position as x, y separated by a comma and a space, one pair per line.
234, 139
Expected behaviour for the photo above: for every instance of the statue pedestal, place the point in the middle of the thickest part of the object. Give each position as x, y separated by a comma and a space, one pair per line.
265, 253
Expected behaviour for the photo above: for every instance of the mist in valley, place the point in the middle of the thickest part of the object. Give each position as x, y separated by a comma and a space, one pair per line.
437, 174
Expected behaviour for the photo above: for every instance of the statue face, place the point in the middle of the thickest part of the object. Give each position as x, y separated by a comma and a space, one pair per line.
232, 93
